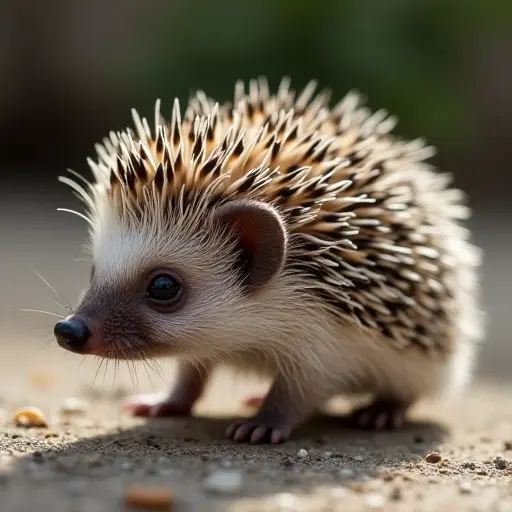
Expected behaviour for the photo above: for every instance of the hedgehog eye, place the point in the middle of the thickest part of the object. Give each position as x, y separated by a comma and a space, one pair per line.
164, 290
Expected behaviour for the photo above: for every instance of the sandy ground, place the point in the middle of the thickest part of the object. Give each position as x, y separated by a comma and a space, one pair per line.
94, 457
97, 454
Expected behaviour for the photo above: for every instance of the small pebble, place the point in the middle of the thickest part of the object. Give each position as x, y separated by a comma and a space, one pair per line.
302, 453
73, 406
76, 487
465, 487
286, 501
42, 378
396, 494
347, 473
149, 497
433, 457
29, 417
375, 501
338, 493
358, 458
500, 463
38, 457
223, 482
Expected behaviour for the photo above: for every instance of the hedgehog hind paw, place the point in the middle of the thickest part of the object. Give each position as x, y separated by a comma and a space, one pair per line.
380, 415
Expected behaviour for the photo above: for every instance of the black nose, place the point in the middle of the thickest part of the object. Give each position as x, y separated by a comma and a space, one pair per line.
71, 333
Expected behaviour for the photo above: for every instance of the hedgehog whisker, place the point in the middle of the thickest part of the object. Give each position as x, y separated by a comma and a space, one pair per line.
104, 373
58, 303
116, 368
68, 307
145, 366
96, 374
46, 344
27, 310
155, 366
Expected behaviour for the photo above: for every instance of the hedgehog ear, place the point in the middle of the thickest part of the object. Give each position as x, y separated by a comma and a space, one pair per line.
261, 239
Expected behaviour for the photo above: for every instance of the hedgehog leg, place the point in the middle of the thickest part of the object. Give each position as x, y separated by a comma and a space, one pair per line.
284, 408
381, 414
190, 383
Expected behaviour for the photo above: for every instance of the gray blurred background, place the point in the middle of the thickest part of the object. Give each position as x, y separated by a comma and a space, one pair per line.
71, 70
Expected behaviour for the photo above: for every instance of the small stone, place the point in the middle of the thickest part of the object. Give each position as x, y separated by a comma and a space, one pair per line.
396, 494
38, 457
482, 472
375, 500
500, 463
358, 458
286, 501
338, 493
76, 487
73, 405
29, 417
469, 465
465, 487
149, 498
433, 457
302, 454
347, 473
223, 482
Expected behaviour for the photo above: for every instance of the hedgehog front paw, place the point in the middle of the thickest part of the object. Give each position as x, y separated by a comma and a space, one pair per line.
255, 431
157, 405
380, 415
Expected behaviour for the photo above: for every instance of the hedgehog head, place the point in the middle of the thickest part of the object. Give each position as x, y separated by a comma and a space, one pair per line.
184, 249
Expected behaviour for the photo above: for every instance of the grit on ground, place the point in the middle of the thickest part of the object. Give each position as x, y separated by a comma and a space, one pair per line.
85, 462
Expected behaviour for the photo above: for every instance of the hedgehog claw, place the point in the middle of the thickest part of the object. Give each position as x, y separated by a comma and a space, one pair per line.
380, 415
253, 431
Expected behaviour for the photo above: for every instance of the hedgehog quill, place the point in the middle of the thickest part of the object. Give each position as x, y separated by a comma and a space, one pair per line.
277, 235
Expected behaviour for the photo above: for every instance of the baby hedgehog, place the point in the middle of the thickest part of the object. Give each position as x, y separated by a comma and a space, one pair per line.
277, 235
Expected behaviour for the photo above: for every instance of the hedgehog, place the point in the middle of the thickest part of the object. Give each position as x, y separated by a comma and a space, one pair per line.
277, 235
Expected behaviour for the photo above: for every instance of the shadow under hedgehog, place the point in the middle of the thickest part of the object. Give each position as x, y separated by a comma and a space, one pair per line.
279, 236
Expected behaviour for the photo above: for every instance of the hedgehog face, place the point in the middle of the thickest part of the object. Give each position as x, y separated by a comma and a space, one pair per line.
175, 288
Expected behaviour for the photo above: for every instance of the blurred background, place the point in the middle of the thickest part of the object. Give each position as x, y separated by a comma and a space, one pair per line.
70, 71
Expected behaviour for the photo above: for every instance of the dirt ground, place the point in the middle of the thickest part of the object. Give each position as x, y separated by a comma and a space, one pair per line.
96, 455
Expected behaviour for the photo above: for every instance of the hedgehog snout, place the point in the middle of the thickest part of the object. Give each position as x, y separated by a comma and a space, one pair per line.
73, 334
